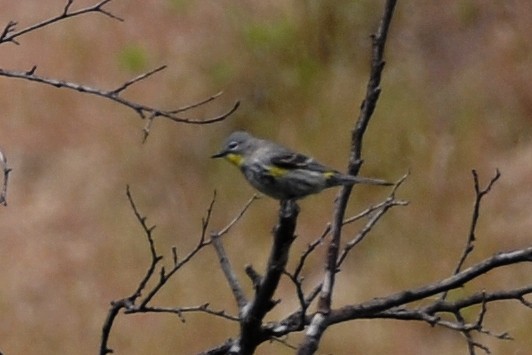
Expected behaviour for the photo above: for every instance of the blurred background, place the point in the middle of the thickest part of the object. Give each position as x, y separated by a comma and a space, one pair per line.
456, 96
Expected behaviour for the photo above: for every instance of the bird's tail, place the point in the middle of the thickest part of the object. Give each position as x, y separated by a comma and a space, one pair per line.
340, 179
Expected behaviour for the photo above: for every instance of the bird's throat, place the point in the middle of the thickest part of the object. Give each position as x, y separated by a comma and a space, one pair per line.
235, 159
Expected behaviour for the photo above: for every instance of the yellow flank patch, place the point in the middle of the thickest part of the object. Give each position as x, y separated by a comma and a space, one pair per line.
276, 171
329, 174
235, 159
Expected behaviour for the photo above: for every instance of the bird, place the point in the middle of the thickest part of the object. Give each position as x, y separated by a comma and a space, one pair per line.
281, 173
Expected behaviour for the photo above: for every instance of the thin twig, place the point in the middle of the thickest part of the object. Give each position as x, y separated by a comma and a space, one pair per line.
228, 271
314, 333
9, 34
226, 229
471, 237
204, 308
166, 275
225, 264
129, 303
375, 217
369, 211
138, 78
114, 95
155, 257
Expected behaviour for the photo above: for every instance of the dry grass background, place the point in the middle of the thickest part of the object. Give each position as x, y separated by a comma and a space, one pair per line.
457, 95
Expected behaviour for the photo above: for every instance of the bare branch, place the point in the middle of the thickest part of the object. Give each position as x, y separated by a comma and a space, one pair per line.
297, 279
316, 328
455, 281
116, 306
114, 95
155, 258
5, 170
434, 319
135, 80
393, 306
252, 333
310, 248
225, 264
129, 303
166, 275
10, 27
180, 311
368, 227
197, 104
369, 211
479, 194
431, 314
9, 34
228, 271
226, 229
470, 243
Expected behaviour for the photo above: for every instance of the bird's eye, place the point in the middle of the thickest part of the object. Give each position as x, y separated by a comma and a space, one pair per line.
232, 146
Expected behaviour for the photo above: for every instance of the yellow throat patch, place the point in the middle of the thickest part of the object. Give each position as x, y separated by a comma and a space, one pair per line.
236, 159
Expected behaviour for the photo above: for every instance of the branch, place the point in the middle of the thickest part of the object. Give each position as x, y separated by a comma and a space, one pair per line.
9, 34
204, 308
479, 194
311, 341
470, 243
430, 314
225, 264
375, 306
251, 331
375, 213
297, 279
6, 170
316, 328
178, 264
155, 257
394, 306
129, 303
144, 111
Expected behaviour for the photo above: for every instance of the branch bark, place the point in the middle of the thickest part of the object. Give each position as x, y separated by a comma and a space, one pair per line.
319, 321
251, 331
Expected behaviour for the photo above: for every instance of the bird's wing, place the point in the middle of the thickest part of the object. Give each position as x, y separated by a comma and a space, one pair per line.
291, 160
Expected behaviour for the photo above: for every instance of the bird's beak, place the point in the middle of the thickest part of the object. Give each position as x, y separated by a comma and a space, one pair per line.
220, 154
